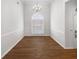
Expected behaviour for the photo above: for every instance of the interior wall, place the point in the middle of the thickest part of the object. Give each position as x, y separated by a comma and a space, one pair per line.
70, 40
28, 12
58, 21
11, 24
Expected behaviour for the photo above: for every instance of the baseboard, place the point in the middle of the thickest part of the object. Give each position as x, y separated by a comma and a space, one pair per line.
57, 42
61, 44
69, 48
12, 46
37, 35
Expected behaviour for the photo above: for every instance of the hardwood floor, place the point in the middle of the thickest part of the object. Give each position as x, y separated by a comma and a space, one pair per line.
40, 48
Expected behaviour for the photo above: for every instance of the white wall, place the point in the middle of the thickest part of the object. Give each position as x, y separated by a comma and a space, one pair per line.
70, 40
58, 21
11, 24
28, 16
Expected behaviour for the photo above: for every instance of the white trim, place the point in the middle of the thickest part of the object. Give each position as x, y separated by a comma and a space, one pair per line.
37, 35
61, 44
20, 37
11, 47
2, 35
57, 41
69, 48
60, 34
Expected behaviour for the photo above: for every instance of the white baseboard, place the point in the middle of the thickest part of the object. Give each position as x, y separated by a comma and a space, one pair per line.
37, 35
57, 42
69, 48
12, 46
61, 44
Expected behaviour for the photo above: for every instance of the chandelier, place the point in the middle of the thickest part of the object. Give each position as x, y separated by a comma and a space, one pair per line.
36, 7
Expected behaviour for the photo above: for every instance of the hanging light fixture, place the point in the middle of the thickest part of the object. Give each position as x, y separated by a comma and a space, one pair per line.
37, 7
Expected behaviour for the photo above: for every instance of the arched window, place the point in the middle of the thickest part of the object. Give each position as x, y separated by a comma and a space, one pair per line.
37, 16
37, 23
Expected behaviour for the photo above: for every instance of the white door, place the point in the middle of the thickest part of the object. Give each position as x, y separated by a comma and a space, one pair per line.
71, 25
75, 29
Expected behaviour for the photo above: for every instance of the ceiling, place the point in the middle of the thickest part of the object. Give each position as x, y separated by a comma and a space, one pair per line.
35, 1
30, 2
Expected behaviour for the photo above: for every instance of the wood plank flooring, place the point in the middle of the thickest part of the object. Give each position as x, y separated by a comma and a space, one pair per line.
40, 48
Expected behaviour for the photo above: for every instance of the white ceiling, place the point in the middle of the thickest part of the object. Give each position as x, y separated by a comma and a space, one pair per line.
39, 1
30, 2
